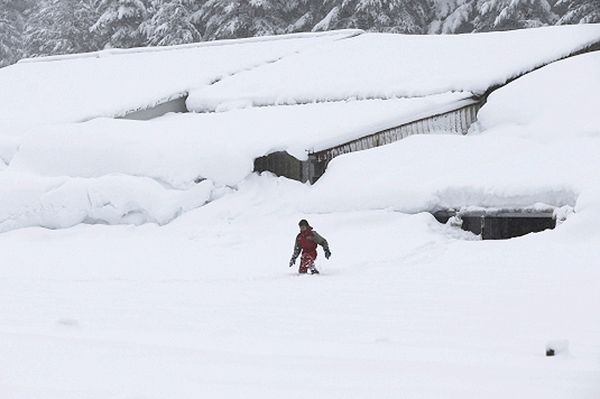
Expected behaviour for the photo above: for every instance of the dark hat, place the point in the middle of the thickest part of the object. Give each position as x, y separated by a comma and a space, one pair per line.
303, 222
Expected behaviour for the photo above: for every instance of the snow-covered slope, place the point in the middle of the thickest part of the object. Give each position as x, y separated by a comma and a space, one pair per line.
389, 65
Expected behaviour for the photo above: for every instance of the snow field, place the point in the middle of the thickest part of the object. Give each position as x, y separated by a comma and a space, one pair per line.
8, 147
401, 304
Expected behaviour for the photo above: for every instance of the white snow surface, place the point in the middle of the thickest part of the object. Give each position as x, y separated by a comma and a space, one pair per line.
114, 82
205, 306
531, 146
564, 107
180, 148
435, 172
30, 200
376, 65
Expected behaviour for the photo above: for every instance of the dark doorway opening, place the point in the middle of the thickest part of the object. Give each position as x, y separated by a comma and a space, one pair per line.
499, 225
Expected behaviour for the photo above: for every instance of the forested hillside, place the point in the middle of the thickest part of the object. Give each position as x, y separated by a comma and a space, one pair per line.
31, 28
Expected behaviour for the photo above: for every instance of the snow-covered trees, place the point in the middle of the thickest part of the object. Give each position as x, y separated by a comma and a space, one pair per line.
512, 14
120, 22
224, 19
11, 29
171, 24
490, 15
578, 11
61, 27
403, 16
44, 27
304, 15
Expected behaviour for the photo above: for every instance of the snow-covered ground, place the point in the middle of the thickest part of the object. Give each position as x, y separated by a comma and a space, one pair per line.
205, 306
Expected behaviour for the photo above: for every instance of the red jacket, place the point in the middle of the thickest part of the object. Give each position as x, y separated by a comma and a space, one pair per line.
307, 241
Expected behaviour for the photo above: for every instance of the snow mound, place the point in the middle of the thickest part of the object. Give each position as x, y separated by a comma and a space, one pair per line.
29, 200
392, 65
427, 173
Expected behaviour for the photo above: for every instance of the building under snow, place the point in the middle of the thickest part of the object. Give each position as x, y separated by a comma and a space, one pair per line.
438, 82
166, 119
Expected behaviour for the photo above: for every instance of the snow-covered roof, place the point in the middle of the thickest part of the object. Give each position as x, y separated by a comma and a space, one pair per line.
290, 69
177, 149
113, 82
375, 65
57, 173
533, 147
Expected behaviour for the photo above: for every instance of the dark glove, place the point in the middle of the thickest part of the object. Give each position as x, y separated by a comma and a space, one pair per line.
327, 253
292, 261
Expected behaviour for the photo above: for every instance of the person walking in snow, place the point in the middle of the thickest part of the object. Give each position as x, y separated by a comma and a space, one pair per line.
306, 242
